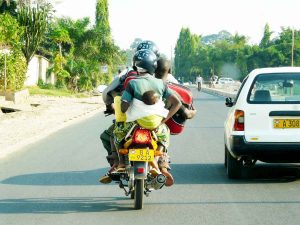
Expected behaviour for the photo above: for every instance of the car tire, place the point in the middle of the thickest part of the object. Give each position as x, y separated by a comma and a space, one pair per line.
225, 157
234, 166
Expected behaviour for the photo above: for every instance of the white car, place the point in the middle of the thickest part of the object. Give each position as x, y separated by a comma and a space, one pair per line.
225, 80
263, 122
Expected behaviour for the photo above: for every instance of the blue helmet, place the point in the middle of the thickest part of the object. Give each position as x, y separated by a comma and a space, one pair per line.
150, 45
145, 61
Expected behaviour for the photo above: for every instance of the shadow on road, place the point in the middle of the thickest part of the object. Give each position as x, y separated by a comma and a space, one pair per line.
98, 204
216, 174
183, 174
65, 205
88, 177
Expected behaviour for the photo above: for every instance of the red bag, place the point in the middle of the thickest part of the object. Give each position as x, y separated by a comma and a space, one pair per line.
177, 121
129, 76
184, 93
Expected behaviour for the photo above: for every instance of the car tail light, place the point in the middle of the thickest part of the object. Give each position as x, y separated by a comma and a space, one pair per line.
141, 136
239, 120
140, 170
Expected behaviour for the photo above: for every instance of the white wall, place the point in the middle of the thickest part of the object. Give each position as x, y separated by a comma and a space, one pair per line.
32, 74
37, 68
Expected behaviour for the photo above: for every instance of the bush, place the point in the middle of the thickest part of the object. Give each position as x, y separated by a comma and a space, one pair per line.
10, 33
43, 85
16, 68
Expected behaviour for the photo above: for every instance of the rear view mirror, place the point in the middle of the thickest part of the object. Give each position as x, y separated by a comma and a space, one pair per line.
228, 102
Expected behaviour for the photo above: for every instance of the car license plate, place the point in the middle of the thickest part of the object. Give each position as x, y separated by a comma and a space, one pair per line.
286, 123
145, 155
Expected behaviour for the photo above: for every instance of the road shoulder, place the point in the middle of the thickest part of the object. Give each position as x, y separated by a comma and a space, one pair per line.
42, 116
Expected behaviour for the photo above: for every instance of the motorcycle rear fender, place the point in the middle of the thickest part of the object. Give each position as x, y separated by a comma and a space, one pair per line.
140, 165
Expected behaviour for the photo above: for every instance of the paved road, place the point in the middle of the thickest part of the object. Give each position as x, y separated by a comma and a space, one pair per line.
55, 181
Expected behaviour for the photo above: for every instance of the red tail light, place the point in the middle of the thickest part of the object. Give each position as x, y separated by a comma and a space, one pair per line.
140, 170
141, 136
239, 120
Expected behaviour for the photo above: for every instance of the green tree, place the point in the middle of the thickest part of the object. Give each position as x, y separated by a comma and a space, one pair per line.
8, 7
102, 18
84, 49
34, 21
266, 39
61, 36
185, 55
284, 45
107, 50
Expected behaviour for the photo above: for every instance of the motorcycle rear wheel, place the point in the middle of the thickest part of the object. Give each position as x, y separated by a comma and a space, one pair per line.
139, 194
132, 194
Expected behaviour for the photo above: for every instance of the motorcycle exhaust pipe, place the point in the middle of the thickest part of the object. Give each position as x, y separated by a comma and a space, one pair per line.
159, 181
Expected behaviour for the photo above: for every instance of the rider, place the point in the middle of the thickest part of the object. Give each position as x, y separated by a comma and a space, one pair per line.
170, 77
162, 72
115, 88
121, 129
146, 62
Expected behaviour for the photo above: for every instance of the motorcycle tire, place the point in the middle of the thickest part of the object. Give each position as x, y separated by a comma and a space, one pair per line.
199, 87
139, 194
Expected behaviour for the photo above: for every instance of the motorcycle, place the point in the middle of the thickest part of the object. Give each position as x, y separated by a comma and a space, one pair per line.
140, 149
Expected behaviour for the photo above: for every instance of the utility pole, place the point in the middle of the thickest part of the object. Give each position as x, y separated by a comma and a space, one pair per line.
171, 66
5, 49
293, 45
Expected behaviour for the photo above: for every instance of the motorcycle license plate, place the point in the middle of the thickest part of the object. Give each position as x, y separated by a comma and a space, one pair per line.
286, 123
144, 155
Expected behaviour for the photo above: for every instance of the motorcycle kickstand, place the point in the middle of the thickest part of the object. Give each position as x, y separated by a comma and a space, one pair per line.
127, 193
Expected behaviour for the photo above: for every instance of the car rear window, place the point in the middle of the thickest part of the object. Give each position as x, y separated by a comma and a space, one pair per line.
279, 88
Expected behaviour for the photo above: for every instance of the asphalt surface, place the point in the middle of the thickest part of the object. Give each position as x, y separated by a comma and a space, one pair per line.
55, 181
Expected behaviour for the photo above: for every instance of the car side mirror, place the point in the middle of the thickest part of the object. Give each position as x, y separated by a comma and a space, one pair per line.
228, 102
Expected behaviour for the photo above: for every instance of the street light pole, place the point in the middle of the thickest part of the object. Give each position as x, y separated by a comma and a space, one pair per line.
5, 82
5, 49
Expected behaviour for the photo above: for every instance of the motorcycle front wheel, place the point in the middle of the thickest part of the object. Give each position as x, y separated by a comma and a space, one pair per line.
139, 194
132, 194
199, 87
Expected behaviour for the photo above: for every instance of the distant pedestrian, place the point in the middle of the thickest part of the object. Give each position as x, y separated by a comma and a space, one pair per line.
199, 82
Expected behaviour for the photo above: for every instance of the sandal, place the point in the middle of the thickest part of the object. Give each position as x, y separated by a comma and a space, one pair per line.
105, 179
120, 170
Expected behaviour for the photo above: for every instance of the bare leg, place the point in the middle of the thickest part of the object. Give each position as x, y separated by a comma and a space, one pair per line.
114, 154
164, 168
170, 180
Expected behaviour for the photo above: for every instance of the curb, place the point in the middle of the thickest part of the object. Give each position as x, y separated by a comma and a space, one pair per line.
218, 92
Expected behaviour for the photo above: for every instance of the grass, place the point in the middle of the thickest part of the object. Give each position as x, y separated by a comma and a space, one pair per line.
35, 90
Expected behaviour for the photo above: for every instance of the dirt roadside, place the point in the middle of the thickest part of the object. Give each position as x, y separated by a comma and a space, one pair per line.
41, 116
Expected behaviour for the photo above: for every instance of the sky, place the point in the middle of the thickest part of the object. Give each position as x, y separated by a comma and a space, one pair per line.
162, 20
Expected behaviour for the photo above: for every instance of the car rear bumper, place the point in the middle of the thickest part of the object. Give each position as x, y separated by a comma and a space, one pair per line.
267, 152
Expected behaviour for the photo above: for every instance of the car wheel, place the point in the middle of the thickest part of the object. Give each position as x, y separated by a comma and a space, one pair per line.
234, 166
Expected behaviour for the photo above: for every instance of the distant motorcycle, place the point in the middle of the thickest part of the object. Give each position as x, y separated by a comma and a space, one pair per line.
199, 86
140, 148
